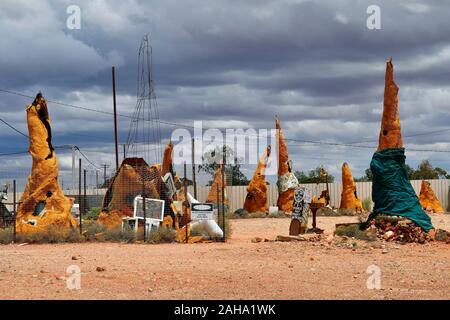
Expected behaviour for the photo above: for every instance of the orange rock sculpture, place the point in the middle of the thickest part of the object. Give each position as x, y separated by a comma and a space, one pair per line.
216, 187
133, 178
428, 200
390, 132
256, 199
43, 202
287, 182
349, 198
167, 159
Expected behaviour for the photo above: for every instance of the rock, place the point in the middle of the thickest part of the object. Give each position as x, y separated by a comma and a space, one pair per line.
290, 238
100, 269
256, 240
384, 251
150, 290
330, 238
75, 257
388, 235
61, 278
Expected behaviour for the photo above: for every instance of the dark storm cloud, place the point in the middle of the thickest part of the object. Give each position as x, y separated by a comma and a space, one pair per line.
313, 63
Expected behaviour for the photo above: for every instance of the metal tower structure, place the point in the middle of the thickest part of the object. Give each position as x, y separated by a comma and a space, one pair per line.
144, 136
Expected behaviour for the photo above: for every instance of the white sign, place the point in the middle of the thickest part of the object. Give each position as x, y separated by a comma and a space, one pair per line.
202, 211
154, 208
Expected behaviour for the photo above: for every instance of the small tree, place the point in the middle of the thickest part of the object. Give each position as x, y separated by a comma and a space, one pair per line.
212, 158
313, 176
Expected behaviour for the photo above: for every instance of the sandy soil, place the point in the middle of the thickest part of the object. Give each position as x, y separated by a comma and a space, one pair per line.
238, 269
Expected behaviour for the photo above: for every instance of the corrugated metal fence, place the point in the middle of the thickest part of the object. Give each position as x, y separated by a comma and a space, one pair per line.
236, 194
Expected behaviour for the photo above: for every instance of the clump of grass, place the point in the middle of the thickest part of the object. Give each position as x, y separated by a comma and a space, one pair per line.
6, 235
92, 214
162, 235
367, 204
442, 235
126, 235
51, 234
199, 230
278, 214
95, 231
354, 230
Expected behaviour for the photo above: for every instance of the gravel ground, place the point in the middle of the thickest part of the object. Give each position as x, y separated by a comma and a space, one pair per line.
238, 269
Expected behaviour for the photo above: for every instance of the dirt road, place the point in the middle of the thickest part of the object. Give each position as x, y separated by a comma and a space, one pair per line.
238, 269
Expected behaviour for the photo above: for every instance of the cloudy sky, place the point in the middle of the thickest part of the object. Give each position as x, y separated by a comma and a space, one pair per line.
232, 64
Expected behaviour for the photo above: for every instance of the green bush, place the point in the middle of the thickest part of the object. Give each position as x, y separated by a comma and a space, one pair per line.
367, 204
6, 235
92, 214
354, 230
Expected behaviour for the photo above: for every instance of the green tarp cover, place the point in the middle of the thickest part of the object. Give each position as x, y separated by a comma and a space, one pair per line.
392, 192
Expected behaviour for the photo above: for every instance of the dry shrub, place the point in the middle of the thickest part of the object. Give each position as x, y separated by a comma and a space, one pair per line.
6, 235
161, 235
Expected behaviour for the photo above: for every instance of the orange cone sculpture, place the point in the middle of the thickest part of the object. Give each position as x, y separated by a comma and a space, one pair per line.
428, 200
287, 182
349, 199
257, 200
216, 187
390, 132
43, 202
392, 192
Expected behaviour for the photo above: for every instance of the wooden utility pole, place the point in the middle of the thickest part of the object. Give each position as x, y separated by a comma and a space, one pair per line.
116, 139
194, 181
186, 203
223, 190
14, 210
79, 191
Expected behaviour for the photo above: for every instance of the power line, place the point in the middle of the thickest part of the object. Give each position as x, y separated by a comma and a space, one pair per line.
352, 145
12, 127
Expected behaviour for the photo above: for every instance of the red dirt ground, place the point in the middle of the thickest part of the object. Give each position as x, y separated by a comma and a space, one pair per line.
238, 269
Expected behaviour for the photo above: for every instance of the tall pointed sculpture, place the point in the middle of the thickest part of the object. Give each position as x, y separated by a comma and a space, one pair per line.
43, 202
257, 199
392, 192
287, 182
349, 198
428, 200
216, 187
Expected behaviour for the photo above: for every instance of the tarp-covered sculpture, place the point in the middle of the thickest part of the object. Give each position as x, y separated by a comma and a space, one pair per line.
392, 192
349, 197
134, 177
257, 199
428, 200
217, 187
43, 202
287, 182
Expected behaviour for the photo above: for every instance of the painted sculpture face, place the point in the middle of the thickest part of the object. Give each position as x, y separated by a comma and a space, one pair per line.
256, 199
390, 132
